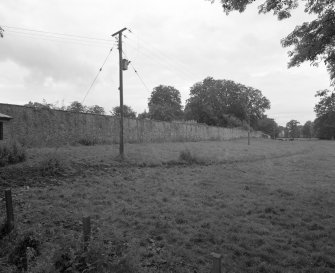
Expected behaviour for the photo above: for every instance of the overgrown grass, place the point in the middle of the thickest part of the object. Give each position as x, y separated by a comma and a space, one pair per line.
11, 153
53, 164
27, 252
274, 214
89, 140
190, 158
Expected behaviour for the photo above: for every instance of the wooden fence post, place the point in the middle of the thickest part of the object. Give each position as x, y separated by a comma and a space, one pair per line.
25, 260
9, 210
216, 263
86, 231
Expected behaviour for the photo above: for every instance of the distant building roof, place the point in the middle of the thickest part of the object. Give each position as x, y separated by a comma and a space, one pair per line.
5, 117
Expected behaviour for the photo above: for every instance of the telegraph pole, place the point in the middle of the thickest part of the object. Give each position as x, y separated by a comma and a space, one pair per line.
248, 114
248, 128
119, 33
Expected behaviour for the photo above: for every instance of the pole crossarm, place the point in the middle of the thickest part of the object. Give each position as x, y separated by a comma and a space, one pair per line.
118, 32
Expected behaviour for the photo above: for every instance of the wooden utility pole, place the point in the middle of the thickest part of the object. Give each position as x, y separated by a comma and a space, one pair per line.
248, 114
119, 33
248, 129
9, 210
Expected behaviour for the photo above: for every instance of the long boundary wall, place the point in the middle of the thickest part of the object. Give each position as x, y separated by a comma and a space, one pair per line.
43, 127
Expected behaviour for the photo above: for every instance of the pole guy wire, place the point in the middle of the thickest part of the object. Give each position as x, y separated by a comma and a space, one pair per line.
138, 75
96, 76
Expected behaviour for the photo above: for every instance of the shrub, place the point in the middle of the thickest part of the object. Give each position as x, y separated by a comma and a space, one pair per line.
52, 164
11, 153
92, 140
18, 256
188, 157
72, 258
88, 141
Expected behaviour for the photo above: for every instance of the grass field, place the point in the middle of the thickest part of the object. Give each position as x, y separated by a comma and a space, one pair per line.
267, 207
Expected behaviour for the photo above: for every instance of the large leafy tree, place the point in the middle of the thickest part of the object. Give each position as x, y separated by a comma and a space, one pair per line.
38, 105
324, 124
95, 109
224, 103
307, 129
128, 112
165, 104
77, 107
143, 115
268, 126
312, 41
292, 128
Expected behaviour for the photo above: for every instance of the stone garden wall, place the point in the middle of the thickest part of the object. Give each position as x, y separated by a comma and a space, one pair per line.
42, 127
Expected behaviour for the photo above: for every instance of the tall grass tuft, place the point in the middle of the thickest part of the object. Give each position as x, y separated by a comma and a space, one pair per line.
11, 153
52, 164
188, 157
89, 140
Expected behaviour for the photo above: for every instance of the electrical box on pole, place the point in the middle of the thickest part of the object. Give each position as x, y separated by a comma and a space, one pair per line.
125, 64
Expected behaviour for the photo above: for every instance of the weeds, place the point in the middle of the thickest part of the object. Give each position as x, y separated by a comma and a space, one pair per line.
27, 252
190, 158
92, 140
27, 248
88, 141
11, 153
52, 164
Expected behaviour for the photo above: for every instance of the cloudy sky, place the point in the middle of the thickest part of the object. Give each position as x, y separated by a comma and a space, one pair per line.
175, 42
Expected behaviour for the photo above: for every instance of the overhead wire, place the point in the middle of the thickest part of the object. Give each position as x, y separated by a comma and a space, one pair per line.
57, 33
167, 59
96, 76
164, 63
54, 36
54, 39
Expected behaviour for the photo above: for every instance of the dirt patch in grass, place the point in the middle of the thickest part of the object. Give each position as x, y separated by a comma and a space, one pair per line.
273, 214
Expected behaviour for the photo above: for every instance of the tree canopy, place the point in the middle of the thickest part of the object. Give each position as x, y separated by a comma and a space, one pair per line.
324, 124
312, 41
95, 109
293, 129
307, 129
143, 115
77, 107
224, 103
268, 126
165, 104
128, 112
39, 105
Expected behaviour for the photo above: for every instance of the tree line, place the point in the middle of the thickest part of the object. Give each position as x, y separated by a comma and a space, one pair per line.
312, 42
323, 126
222, 103
213, 102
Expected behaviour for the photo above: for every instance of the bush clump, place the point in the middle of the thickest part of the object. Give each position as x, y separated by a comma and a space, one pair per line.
52, 164
92, 140
88, 141
98, 258
12, 153
28, 244
188, 157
